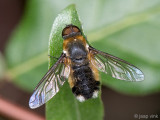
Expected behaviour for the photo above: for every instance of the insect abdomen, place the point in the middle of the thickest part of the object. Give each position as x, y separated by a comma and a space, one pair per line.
85, 84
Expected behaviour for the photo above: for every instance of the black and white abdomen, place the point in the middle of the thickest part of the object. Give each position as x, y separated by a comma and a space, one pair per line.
85, 86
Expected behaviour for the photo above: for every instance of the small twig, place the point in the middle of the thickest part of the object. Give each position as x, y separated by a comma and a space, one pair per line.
16, 112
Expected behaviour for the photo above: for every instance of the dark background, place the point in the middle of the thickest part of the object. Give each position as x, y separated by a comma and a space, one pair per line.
117, 106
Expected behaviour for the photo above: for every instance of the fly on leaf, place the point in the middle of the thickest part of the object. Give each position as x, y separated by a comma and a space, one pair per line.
79, 63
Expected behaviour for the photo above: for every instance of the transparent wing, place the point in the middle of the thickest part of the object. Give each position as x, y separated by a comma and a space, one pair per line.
50, 83
115, 66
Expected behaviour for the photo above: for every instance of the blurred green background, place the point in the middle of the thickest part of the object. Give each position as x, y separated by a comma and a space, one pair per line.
128, 29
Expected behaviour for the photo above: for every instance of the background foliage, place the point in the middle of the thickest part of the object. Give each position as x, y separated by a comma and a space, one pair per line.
128, 29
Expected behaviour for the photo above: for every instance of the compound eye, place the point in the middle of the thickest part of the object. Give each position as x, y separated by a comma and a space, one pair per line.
75, 29
66, 31
70, 30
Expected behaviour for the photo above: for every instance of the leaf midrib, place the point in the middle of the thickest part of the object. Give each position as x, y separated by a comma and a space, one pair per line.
122, 24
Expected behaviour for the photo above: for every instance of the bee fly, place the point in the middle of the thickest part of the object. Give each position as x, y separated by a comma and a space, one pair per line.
79, 63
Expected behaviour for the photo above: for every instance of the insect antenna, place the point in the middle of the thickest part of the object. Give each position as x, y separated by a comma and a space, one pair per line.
53, 57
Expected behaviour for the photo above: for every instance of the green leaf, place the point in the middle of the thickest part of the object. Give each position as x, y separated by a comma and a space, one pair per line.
2, 66
135, 39
64, 105
128, 29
